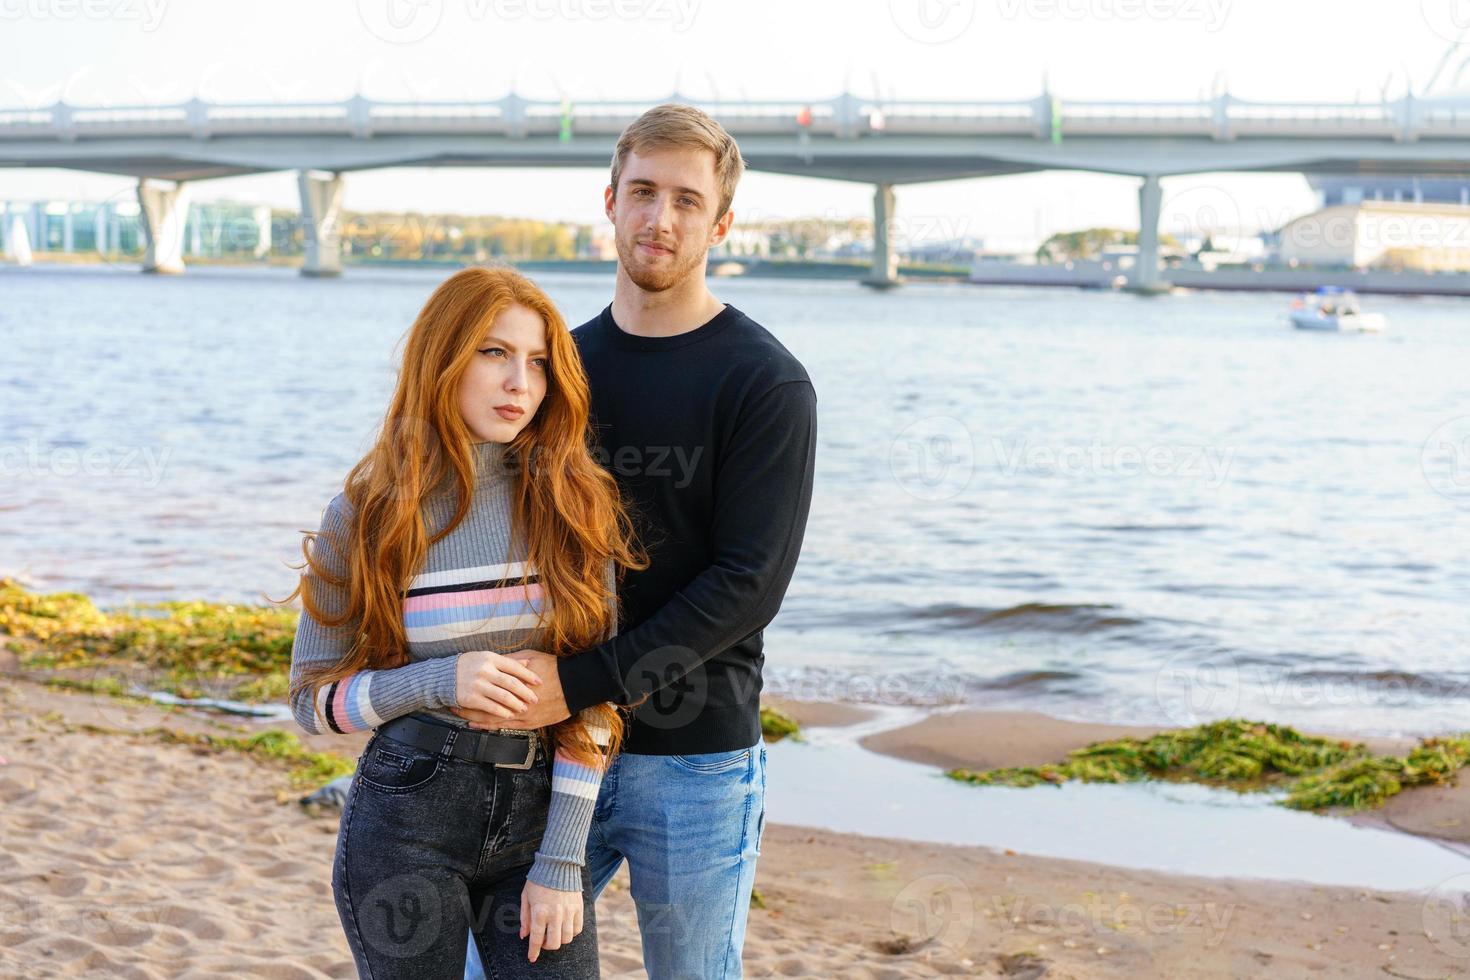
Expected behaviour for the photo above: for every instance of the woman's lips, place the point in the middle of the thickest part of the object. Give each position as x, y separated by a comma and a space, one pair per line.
509, 412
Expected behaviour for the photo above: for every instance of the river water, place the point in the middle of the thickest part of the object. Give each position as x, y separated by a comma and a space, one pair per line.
1097, 505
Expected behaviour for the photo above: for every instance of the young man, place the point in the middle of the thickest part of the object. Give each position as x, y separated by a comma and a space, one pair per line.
709, 425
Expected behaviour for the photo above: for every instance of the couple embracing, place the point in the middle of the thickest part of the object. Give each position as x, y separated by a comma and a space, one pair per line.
544, 590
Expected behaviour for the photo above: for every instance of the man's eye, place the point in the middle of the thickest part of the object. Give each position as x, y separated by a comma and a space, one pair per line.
685, 200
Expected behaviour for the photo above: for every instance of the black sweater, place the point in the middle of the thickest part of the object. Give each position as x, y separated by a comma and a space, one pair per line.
712, 437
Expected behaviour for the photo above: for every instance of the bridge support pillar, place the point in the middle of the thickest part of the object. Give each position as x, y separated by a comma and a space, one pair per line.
321, 216
884, 274
262, 216
1146, 277
17, 234
162, 211
101, 227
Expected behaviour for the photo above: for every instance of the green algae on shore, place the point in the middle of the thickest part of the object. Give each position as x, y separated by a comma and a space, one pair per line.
1248, 755
65, 630
776, 725
190, 649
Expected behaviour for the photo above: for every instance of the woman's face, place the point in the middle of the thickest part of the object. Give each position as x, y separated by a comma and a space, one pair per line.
506, 379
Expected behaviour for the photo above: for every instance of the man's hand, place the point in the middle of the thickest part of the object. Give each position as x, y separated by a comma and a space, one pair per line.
549, 917
550, 706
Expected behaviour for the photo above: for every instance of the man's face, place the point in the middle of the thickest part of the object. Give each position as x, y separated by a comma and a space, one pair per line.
663, 215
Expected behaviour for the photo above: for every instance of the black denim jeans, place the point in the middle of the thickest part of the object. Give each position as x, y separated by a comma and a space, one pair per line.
431, 848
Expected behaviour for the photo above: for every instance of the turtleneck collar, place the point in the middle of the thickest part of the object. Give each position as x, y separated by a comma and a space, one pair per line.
491, 464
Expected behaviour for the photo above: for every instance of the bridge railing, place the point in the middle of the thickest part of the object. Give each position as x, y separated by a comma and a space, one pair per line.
843, 117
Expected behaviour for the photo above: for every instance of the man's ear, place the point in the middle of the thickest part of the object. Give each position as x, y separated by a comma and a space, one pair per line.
609, 199
722, 228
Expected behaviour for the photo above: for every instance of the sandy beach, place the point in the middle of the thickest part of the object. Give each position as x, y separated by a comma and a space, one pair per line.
126, 855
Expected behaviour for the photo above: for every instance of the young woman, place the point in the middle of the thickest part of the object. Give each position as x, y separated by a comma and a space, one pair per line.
477, 525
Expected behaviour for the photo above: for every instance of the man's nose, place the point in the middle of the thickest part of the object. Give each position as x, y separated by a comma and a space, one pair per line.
659, 215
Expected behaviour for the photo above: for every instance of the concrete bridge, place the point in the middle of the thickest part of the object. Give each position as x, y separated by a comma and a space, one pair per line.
880, 142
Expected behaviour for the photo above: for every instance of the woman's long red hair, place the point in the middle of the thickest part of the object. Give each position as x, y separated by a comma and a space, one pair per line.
565, 507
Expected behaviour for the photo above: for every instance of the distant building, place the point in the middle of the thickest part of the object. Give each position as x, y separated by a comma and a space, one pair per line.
745, 242
1355, 189
1380, 235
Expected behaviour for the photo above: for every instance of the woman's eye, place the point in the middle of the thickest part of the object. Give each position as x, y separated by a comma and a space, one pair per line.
540, 362
497, 351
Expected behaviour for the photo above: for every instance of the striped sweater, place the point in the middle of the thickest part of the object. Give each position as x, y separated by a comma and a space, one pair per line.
467, 596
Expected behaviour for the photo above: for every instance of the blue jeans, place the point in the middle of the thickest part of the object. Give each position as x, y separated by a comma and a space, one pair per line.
689, 827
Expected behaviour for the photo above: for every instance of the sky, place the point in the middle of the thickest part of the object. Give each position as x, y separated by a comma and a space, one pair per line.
115, 52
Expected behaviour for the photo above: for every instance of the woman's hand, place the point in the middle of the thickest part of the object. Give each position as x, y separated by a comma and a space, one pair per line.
549, 917
493, 684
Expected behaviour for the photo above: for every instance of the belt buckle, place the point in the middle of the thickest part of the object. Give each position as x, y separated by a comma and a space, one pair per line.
530, 756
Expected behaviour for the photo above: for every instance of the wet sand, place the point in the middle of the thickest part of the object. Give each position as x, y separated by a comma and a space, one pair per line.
124, 856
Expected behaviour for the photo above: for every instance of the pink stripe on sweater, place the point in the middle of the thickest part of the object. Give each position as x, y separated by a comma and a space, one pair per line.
339, 706
453, 600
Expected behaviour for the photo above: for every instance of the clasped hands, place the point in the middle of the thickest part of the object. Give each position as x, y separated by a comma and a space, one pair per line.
517, 690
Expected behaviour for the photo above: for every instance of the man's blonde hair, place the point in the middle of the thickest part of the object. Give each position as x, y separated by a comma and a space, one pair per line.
671, 125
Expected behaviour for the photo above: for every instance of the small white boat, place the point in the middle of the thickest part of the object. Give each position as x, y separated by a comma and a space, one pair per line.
1334, 309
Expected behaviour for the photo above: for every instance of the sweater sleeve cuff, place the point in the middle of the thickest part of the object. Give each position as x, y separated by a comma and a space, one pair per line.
584, 680
443, 673
557, 873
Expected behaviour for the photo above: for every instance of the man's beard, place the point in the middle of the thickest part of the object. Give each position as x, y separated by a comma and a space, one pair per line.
656, 279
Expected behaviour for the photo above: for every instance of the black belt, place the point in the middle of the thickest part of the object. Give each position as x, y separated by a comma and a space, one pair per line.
500, 749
